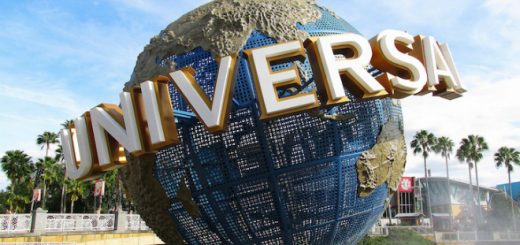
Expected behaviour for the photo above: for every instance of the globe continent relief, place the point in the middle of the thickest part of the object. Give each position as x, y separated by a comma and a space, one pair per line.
317, 177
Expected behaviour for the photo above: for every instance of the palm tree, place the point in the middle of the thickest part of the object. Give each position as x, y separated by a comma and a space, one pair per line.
77, 190
444, 146
16, 202
424, 142
507, 156
49, 172
68, 124
17, 166
464, 156
46, 139
59, 157
471, 149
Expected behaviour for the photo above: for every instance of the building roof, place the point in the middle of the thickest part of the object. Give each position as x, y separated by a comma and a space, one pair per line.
408, 215
456, 181
441, 215
515, 186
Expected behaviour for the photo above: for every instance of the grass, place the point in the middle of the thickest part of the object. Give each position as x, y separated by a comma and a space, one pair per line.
397, 237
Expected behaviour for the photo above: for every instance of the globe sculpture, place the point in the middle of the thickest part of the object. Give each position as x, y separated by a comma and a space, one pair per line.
317, 177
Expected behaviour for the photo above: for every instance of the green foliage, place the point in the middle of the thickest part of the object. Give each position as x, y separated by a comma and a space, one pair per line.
423, 142
444, 147
17, 197
500, 214
48, 169
3, 202
507, 156
17, 166
49, 174
397, 237
76, 190
113, 195
471, 149
47, 139
68, 124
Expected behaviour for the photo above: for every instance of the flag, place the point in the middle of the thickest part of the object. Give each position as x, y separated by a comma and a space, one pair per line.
406, 184
99, 188
37, 195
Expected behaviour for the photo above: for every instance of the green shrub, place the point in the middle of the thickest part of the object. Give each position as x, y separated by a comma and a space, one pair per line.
397, 237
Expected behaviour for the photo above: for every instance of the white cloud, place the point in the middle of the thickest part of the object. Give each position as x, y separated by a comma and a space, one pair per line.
160, 9
488, 109
509, 7
483, 37
55, 64
44, 96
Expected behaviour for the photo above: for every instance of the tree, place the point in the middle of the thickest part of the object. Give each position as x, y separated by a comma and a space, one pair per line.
506, 156
16, 202
444, 147
423, 143
47, 139
68, 124
59, 157
17, 196
49, 173
113, 192
77, 190
17, 166
470, 150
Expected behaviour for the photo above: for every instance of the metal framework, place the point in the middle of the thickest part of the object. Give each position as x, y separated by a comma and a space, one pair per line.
290, 180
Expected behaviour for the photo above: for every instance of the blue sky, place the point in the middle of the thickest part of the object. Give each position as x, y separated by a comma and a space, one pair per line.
60, 58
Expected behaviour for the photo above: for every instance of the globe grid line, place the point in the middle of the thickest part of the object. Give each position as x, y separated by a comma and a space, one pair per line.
218, 188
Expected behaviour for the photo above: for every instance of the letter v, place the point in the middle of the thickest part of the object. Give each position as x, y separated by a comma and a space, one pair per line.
214, 113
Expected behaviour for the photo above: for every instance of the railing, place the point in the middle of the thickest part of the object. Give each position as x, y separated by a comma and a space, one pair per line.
80, 222
135, 223
43, 222
378, 231
419, 229
37, 243
15, 223
470, 236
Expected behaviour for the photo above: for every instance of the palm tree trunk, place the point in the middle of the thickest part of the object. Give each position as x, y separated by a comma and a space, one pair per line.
62, 200
449, 192
44, 193
47, 150
429, 204
13, 186
119, 205
512, 205
470, 184
98, 211
478, 195
472, 202
71, 206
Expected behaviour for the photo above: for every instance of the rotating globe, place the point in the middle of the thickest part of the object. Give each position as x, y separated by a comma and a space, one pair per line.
315, 177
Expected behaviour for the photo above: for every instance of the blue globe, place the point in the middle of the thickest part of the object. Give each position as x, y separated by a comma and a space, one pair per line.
291, 180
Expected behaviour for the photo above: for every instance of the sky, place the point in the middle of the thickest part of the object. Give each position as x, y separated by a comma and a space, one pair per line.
61, 58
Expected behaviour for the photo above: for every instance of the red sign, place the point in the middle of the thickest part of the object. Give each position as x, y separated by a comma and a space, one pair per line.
406, 184
99, 188
37, 195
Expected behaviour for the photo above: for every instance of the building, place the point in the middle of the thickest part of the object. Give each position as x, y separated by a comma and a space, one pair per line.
515, 186
448, 198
